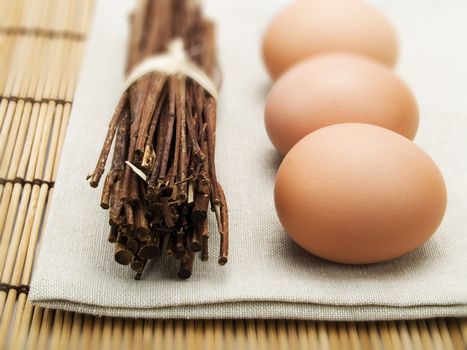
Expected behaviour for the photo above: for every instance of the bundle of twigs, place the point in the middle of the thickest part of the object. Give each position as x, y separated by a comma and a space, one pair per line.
163, 177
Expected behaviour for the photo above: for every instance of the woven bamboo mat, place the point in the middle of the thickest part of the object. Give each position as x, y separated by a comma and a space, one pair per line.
41, 44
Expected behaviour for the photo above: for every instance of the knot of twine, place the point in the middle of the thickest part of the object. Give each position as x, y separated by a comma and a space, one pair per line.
174, 61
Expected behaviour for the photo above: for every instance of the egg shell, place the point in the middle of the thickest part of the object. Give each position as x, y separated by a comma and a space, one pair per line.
357, 193
310, 27
337, 88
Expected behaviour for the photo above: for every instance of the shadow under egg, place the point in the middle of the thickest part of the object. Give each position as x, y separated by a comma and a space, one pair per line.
407, 264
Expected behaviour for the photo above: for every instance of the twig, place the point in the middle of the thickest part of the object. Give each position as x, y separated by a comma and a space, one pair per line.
165, 129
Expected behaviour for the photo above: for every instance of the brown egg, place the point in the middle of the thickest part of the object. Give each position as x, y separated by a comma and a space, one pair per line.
358, 193
310, 27
337, 88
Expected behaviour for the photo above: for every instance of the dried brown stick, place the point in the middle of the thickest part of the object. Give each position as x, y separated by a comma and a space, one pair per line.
96, 175
170, 136
149, 152
160, 142
183, 147
118, 160
209, 113
156, 83
224, 246
186, 267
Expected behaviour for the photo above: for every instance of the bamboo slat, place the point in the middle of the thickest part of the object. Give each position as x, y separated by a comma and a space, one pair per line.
39, 65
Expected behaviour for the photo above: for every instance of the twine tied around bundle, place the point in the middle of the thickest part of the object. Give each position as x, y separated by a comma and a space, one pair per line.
174, 61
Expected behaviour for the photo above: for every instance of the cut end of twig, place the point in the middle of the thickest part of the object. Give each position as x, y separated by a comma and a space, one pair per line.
93, 179
184, 274
113, 235
148, 251
195, 246
123, 256
138, 266
222, 260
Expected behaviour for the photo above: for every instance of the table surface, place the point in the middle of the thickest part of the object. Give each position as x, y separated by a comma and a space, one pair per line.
41, 45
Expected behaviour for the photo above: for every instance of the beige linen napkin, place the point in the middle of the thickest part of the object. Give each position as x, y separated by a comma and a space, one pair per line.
267, 275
